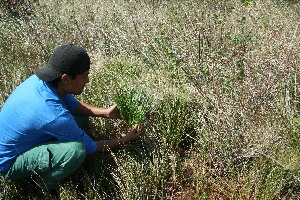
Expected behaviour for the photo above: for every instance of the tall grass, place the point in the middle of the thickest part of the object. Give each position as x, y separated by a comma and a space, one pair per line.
215, 85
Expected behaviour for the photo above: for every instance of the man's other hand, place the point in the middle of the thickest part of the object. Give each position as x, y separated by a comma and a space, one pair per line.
113, 112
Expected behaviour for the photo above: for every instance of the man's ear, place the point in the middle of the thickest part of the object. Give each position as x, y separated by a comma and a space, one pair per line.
65, 78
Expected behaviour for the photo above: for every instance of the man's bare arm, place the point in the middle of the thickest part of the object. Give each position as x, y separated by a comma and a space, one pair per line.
105, 145
89, 110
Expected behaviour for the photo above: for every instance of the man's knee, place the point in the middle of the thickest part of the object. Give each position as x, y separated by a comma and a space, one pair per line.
78, 150
67, 154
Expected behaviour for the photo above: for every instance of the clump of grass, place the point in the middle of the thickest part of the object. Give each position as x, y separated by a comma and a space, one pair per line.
161, 179
132, 104
173, 122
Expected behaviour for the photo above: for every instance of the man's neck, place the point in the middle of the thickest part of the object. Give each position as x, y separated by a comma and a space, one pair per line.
61, 91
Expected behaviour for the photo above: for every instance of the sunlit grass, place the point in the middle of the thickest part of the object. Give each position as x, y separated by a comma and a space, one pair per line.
214, 85
132, 104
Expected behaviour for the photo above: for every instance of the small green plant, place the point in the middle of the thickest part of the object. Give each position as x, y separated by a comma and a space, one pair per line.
132, 104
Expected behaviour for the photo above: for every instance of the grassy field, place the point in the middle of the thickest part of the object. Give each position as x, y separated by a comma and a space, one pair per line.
214, 85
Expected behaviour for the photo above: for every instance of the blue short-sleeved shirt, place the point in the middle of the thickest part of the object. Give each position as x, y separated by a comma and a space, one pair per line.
35, 113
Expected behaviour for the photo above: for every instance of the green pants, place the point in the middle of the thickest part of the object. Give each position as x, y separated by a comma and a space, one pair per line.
51, 162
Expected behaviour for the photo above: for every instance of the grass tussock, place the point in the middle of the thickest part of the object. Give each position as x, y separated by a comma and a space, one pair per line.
215, 85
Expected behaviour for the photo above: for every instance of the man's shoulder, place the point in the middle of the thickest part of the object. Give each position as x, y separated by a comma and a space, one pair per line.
32, 94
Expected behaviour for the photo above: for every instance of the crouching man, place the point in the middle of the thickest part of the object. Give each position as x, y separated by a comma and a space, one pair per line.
38, 132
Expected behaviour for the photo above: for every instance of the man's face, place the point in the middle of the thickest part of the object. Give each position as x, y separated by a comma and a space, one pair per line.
77, 85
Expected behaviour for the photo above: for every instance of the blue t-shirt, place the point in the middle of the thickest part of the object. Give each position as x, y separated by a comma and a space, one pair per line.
35, 113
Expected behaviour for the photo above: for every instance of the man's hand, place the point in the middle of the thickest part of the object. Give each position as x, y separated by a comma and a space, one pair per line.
105, 145
113, 112
133, 135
